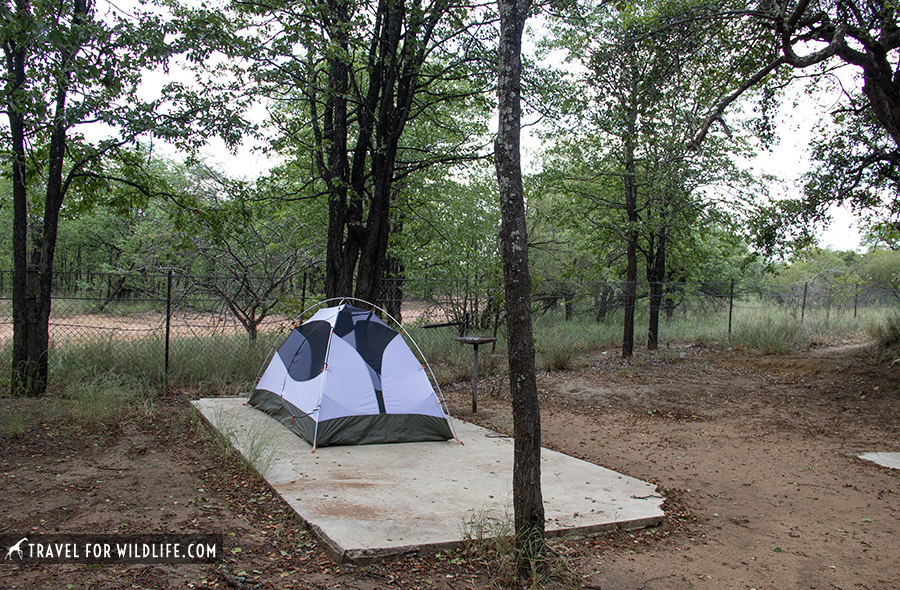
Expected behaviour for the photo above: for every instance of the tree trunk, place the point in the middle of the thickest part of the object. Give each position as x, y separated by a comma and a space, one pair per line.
371, 260
379, 119
606, 297
52, 205
528, 506
630, 294
23, 373
340, 256
656, 277
34, 381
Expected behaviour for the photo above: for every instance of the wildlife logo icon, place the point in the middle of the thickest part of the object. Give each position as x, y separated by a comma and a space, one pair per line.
17, 548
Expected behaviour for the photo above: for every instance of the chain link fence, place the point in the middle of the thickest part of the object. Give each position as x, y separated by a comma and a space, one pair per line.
478, 305
193, 330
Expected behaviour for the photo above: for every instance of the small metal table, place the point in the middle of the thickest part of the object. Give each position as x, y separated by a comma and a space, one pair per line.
475, 341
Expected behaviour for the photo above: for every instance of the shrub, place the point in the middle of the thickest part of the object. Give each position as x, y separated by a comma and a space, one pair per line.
885, 332
772, 337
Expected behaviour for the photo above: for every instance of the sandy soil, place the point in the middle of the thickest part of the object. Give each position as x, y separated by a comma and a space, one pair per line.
145, 324
182, 323
756, 455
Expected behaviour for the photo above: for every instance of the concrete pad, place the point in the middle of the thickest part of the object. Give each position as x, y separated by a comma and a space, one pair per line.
891, 460
370, 502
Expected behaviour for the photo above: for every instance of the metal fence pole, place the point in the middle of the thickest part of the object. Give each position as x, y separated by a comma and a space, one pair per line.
168, 325
803, 306
730, 307
855, 301
303, 294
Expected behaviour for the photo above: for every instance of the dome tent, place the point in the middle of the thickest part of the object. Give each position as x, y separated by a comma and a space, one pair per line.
344, 377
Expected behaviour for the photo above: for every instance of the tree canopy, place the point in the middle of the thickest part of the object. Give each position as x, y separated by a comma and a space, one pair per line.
379, 115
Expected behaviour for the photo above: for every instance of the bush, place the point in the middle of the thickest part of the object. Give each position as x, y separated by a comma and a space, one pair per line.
557, 356
886, 332
768, 337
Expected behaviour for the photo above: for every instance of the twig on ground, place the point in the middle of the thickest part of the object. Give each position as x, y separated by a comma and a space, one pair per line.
239, 582
644, 585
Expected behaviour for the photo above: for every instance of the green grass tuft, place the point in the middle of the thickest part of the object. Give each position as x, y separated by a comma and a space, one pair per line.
773, 337
885, 332
14, 424
95, 401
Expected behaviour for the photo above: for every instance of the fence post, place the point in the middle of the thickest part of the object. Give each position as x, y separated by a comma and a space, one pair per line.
855, 300
303, 294
730, 308
803, 306
168, 326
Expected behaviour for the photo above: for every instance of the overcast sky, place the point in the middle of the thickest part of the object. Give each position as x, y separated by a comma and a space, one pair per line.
787, 160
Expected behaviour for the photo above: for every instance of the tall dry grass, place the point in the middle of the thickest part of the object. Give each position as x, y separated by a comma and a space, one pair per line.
94, 374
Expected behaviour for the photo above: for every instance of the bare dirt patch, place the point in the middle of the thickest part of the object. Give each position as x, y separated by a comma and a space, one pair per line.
145, 324
756, 454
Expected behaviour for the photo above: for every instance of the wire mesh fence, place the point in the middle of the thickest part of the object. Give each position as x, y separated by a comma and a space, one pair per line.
478, 305
195, 329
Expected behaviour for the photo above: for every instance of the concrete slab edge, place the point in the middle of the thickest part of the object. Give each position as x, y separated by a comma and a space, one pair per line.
369, 556
884, 459
334, 551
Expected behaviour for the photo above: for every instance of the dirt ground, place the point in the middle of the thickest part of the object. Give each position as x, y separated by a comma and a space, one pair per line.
756, 455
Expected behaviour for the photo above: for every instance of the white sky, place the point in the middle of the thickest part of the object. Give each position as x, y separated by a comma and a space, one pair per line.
789, 160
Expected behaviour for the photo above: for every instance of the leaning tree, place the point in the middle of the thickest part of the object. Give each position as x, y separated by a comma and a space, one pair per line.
856, 44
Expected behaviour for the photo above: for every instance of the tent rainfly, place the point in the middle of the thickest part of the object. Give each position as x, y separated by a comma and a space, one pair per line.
344, 377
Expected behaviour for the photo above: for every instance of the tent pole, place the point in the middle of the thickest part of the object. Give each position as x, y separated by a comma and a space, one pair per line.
318, 408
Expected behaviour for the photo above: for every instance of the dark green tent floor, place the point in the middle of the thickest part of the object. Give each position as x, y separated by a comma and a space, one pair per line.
370, 502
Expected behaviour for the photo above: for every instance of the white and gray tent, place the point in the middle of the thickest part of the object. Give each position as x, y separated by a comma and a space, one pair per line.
344, 377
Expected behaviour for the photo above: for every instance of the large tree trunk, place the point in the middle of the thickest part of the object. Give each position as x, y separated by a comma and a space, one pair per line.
371, 261
656, 277
396, 53
24, 373
38, 305
340, 255
528, 506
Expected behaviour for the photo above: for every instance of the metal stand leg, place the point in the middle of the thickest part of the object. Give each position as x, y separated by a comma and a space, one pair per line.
475, 381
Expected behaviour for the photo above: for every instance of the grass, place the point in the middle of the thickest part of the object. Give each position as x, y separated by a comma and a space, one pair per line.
95, 375
489, 537
775, 336
217, 364
258, 449
14, 424
452, 361
780, 332
885, 332
95, 401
